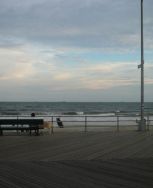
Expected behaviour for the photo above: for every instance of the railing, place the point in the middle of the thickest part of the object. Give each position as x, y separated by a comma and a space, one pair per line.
87, 122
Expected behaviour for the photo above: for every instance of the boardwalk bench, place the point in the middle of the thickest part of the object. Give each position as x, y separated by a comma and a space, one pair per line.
21, 125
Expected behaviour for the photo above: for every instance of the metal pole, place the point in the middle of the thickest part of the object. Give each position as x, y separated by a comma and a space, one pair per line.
52, 126
85, 123
142, 72
148, 122
117, 123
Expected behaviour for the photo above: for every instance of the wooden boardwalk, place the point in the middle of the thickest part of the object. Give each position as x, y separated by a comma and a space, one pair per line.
104, 159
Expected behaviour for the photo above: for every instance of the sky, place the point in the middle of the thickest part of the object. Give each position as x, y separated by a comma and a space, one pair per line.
74, 50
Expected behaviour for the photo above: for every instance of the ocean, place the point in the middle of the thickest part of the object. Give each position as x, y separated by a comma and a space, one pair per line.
71, 108
77, 113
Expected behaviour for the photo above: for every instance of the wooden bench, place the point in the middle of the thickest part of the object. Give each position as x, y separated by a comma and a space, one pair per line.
21, 125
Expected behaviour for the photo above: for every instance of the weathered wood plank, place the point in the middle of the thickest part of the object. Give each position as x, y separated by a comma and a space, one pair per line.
98, 160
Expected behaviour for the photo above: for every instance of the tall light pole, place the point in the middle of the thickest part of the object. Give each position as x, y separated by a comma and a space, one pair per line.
142, 122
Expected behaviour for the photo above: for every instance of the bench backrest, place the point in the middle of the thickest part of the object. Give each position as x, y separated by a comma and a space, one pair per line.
21, 121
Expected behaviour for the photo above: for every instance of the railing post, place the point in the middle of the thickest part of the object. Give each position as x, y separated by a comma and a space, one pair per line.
52, 126
85, 124
148, 122
118, 123
17, 125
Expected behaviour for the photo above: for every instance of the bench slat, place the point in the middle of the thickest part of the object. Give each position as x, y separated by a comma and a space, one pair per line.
21, 121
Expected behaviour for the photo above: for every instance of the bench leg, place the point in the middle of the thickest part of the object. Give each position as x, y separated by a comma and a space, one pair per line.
37, 132
1, 132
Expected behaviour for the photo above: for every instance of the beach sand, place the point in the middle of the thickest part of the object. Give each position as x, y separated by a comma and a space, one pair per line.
77, 159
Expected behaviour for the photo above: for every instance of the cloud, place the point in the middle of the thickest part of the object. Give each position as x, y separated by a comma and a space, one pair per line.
62, 76
105, 84
89, 23
58, 45
51, 68
16, 64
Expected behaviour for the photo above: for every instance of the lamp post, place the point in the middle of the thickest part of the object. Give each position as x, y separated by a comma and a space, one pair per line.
142, 122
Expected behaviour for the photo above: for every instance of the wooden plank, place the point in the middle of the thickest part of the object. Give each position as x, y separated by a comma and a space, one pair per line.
107, 159
65, 174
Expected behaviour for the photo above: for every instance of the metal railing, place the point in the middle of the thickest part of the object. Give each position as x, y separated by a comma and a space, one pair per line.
93, 122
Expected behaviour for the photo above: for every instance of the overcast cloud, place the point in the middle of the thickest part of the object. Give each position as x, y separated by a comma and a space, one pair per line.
73, 50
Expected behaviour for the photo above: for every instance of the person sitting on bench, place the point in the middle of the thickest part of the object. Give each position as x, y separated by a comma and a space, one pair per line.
59, 123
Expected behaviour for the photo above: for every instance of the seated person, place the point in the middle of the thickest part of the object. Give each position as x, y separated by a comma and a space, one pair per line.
59, 123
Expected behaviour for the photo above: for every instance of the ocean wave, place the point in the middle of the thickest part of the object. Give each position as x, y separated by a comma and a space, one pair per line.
10, 113
73, 113
90, 113
98, 113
